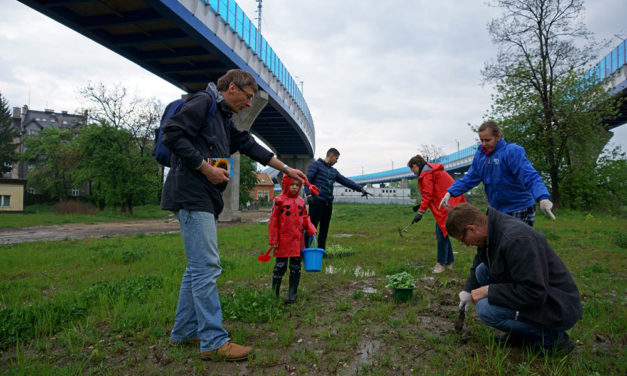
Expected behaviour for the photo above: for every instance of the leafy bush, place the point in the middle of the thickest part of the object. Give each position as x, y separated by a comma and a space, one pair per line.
620, 239
400, 281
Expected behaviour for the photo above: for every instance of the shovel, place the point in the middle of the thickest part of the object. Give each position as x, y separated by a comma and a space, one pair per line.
459, 324
312, 187
265, 257
400, 232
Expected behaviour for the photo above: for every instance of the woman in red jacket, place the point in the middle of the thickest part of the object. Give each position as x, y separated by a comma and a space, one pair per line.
288, 220
433, 182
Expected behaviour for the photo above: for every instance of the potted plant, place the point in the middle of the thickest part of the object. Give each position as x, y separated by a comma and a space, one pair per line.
402, 285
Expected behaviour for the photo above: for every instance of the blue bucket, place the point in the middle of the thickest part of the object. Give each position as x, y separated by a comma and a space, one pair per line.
313, 257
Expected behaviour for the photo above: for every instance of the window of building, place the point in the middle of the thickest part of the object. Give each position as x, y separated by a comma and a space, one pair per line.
31, 190
259, 194
76, 192
5, 201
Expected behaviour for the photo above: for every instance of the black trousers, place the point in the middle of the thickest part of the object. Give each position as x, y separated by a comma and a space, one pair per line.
320, 213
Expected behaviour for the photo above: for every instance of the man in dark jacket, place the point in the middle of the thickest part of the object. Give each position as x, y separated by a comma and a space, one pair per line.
322, 174
193, 190
517, 282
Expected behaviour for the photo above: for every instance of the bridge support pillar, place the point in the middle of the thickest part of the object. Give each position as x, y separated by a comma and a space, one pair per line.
244, 120
298, 161
404, 183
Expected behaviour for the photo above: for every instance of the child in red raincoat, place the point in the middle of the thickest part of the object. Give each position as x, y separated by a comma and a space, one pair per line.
287, 222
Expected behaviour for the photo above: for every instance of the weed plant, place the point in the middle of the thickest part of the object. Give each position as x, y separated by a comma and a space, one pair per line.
105, 306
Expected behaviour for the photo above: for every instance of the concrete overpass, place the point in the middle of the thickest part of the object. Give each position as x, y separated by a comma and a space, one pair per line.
190, 43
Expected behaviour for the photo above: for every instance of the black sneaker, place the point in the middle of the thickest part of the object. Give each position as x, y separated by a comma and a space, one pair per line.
509, 340
564, 347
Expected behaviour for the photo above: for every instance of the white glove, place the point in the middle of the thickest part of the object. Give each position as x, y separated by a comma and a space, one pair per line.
465, 299
546, 206
445, 199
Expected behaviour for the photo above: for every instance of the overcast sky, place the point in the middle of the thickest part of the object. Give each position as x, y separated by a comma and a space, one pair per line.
380, 77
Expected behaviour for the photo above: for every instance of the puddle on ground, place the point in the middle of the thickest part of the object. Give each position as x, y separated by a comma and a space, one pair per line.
359, 271
342, 235
365, 357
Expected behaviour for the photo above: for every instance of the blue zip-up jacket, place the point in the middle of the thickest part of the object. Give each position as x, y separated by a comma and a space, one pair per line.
323, 175
511, 183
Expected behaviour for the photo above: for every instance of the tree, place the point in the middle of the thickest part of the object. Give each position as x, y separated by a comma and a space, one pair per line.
118, 172
116, 107
430, 152
541, 100
51, 159
8, 137
247, 178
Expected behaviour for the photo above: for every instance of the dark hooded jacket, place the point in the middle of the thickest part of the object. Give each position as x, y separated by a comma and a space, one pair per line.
528, 275
191, 140
323, 175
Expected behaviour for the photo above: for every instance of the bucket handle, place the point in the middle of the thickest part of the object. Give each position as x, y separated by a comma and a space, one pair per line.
316, 241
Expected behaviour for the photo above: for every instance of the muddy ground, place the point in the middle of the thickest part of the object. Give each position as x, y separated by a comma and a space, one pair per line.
106, 229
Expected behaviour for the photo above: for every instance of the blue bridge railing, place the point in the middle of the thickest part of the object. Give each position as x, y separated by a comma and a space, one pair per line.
233, 16
610, 63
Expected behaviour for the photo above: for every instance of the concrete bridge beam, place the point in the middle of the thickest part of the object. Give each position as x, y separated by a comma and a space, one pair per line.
244, 120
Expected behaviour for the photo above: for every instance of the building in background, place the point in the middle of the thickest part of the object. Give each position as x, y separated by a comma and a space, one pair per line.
264, 190
12, 195
30, 122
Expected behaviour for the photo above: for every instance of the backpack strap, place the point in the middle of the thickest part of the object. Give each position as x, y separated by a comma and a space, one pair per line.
212, 108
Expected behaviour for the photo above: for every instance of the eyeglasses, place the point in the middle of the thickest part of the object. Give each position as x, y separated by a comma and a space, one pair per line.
249, 96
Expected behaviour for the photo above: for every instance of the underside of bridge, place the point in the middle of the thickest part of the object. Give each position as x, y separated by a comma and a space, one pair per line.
149, 34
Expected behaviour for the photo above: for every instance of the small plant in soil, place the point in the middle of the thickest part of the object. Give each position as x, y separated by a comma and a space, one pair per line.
402, 280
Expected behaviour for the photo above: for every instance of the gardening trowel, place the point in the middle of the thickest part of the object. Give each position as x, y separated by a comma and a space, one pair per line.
401, 231
459, 324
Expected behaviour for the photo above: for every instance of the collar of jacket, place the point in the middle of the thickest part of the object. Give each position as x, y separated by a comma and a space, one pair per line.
222, 105
325, 162
498, 146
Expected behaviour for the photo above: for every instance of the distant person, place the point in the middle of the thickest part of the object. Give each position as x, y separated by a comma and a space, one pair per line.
193, 190
433, 182
511, 183
285, 234
517, 282
322, 174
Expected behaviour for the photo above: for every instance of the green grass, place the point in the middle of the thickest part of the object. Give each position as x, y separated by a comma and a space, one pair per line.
45, 215
104, 306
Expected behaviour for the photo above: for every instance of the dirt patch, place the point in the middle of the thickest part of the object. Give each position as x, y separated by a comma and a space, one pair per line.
106, 229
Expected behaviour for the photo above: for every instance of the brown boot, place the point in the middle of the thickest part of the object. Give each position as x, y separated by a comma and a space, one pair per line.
229, 351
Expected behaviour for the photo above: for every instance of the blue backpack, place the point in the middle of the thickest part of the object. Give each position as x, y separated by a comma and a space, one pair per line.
160, 151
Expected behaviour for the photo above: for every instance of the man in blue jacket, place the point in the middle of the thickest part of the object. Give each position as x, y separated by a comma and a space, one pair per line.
193, 190
511, 183
322, 174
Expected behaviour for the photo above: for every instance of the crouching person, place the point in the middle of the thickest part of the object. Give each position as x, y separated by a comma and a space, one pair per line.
517, 282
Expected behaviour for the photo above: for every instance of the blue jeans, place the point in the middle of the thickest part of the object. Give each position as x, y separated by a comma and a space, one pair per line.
198, 312
445, 250
504, 319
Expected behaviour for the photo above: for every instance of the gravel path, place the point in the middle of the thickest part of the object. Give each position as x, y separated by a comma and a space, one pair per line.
105, 229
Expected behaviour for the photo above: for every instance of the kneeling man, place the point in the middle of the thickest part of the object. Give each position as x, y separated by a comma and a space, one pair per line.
517, 282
